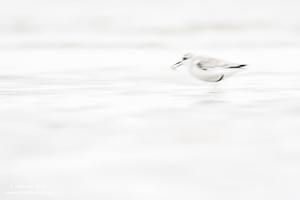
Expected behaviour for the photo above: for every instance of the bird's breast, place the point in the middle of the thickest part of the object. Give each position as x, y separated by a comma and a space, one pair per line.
206, 75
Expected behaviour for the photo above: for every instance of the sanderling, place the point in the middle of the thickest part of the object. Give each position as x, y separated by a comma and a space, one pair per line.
209, 69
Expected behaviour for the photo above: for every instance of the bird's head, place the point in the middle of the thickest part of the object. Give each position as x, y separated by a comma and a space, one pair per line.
186, 58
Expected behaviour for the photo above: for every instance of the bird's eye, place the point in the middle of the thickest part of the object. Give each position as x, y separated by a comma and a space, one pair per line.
184, 58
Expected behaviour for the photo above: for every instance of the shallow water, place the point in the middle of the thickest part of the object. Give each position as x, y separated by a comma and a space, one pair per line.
89, 113
126, 130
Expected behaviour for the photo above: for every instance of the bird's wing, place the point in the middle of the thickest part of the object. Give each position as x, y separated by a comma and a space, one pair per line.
212, 63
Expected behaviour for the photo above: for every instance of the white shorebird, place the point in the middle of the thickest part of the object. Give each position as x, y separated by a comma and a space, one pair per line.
209, 69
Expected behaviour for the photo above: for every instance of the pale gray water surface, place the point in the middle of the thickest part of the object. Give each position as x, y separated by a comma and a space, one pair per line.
84, 126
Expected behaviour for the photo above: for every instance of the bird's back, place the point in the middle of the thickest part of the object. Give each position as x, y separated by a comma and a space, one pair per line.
208, 62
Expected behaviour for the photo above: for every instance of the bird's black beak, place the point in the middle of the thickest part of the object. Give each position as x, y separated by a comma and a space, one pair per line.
178, 64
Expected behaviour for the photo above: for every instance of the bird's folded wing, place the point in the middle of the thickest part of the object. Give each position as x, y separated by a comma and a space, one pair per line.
211, 63
215, 64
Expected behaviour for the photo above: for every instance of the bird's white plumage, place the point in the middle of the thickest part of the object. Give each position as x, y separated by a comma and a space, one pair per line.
209, 69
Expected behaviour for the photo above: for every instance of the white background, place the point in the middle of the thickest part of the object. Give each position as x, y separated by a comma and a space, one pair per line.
89, 108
